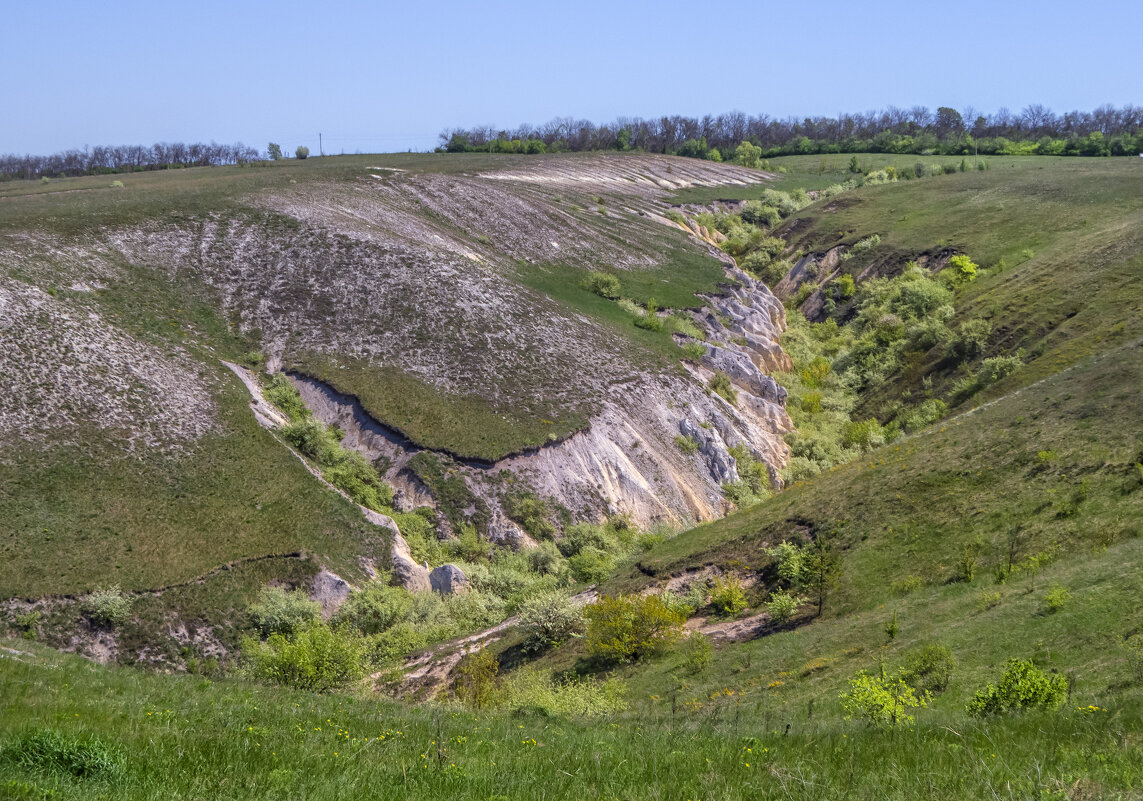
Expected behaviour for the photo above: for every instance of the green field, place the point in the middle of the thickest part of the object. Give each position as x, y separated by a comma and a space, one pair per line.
184, 737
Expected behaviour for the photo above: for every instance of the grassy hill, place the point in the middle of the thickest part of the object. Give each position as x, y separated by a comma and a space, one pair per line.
1010, 528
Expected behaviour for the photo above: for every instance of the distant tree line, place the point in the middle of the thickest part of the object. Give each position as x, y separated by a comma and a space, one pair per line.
125, 158
1106, 131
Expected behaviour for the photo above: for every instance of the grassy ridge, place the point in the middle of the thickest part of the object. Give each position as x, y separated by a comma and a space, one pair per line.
467, 427
910, 508
186, 737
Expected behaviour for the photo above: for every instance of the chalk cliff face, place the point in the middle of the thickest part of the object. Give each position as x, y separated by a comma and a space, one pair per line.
418, 271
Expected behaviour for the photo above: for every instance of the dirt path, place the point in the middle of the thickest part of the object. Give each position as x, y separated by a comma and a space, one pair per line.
427, 673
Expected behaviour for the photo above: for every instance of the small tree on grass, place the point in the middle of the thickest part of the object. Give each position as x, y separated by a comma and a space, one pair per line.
629, 627
821, 569
882, 700
727, 596
1021, 687
549, 619
697, 652
275, 151
302, 152
928, 669
782, 606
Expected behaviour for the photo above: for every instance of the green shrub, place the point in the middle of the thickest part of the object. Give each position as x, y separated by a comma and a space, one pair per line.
790, 563
358, 479
727, 596
846, 288
531, 511
477, 682
28, 623
969, 341
548, 620
883, 701
697, 652
686, 444
1056, 599
107, 606
302, 152
694, 350
865, 245
1021, 687
279, 390
892, 628
963, 269
375, 608
864, 434
585, 535
756, 212
317, 658
474, 610
591, 565
927, 669
469, 546
987, 600
279, 612
782, 606
49, 752
545, 559
650, 320
811, 402
685, 605
605, 285
394, 644
720, 384
629, 627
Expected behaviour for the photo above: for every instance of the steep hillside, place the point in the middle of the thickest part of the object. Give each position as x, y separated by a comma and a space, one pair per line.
442, 301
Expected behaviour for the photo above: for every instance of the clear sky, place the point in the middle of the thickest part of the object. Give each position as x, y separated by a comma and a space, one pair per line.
380, 76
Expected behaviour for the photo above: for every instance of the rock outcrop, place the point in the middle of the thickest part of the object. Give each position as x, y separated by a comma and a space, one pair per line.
449, 579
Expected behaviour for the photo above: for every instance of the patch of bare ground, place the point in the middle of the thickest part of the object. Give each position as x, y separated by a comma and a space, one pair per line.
67, 370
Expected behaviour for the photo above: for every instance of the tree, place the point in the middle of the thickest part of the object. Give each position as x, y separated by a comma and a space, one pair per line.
275, 151
948, 121
302, 152
821, 569
629, 627
748, 155
882, 700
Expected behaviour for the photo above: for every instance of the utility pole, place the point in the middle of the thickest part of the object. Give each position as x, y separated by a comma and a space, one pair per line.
320, 151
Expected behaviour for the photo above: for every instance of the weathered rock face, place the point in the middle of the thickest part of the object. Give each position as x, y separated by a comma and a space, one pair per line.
718, 459
330, 590
627, 462
406, 572
449, 580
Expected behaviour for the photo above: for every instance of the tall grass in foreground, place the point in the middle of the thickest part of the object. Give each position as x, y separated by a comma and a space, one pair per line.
184, 737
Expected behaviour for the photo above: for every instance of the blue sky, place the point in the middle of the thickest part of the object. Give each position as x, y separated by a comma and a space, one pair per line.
386, 76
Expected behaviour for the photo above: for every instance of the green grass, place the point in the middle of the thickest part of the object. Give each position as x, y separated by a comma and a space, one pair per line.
464, 426
75, 521
818, 172
188, 737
